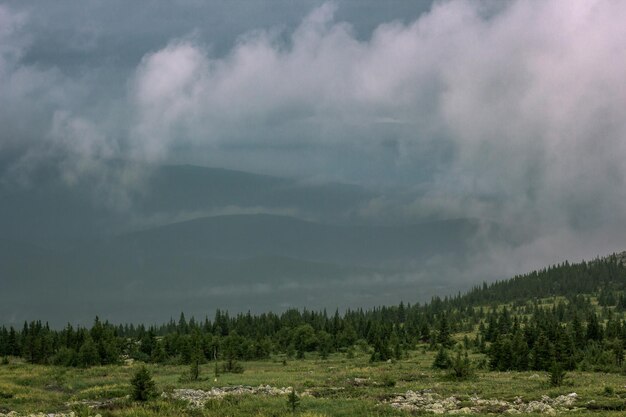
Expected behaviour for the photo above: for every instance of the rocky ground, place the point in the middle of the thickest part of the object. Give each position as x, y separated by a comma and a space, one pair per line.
427, 401
197, 398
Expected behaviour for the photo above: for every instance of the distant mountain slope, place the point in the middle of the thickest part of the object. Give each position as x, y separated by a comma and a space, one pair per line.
187, 187
47, 211
74, 286
237, 262
247, 236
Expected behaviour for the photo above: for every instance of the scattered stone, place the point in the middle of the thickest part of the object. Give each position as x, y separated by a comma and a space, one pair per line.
323, 392
94, 404
360, 382
197, 397
426, 401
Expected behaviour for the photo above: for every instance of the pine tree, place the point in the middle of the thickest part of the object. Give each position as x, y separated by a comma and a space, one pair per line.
88, 354
293, 400
543, 353
143, 386
618, 352
396, 345
557, 375
594, 331
159, 355
425, 332
443, 332
325, 343
381, 350
442, 360
495, 354
196, 358
577, 331
194, 369
520, 352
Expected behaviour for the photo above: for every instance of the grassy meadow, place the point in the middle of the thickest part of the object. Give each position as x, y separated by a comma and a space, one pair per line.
328, 385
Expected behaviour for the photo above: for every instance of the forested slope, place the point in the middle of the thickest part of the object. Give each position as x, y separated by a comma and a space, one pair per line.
569, 315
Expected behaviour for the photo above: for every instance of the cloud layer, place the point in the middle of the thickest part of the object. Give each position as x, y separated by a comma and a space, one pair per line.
511, 113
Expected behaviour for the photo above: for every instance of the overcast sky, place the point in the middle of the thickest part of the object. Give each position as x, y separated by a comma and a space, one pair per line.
508, 111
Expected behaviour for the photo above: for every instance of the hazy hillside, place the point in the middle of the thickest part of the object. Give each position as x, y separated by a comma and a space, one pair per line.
196, 238
227, 262
175, 188
246, 236
48, 211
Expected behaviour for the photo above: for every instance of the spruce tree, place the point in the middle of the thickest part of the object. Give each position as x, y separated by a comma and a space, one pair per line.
143, 386
557, 374
594, 330
543, 353
442, 360
88, 354
443, 332
519, 350
293, 400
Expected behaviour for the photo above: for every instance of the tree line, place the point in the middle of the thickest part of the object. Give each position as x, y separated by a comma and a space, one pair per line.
507, 322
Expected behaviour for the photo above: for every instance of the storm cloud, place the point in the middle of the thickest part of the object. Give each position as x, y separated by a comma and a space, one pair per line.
507, 112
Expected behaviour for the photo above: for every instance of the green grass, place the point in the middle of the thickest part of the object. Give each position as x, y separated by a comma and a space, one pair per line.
33, 388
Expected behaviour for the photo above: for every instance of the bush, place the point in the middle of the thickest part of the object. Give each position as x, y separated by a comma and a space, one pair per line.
65, 357
350, 353
606, 405
461, 367
143, 387
232, 366
5, 395
388, 381
139, 356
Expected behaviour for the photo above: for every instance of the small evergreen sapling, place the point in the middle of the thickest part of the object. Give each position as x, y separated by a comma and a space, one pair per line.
557, 375
143, 387
194, 370
442, 360
293, 400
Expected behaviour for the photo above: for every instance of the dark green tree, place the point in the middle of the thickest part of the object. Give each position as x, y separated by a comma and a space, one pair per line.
443, 332
520, 351
461, 367
293, 400
88, 354
557, 374
303, 339
442, 360
143, 387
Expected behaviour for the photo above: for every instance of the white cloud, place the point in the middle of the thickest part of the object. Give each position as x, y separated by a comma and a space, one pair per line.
530, 98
